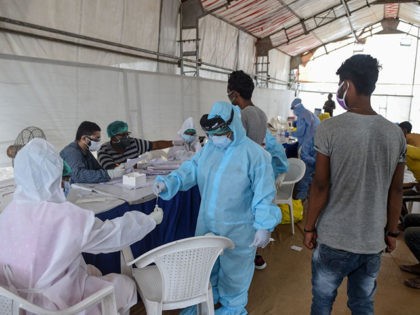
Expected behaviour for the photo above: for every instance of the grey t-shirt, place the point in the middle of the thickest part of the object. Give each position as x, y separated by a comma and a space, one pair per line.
364, 151
255, 123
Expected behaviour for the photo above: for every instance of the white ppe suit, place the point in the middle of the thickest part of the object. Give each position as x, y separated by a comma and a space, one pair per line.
237, 189
185, 150
42, 237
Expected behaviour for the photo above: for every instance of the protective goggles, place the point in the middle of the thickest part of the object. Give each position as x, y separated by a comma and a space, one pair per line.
216, 123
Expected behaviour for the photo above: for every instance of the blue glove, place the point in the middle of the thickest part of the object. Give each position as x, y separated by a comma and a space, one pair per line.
261, 239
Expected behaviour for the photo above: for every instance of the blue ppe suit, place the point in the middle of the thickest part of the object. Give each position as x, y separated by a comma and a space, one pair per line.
237, 189
306, 125
278, 154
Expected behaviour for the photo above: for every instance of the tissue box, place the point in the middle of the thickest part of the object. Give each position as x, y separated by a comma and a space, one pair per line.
134, 180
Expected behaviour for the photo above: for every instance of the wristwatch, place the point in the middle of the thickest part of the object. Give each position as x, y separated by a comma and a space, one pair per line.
392, 234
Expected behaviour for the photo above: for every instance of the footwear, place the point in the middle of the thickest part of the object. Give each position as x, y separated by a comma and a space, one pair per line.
413, 283
414, 269
259, 262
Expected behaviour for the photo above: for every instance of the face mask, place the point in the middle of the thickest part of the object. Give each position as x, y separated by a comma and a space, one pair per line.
123, 143
342, 101
66, 187
221, 142
188, 138
94, 145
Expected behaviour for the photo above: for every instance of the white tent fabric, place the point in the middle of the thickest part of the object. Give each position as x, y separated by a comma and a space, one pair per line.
57, 96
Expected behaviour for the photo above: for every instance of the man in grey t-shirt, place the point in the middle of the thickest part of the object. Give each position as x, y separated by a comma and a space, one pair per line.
239, 90
356, 193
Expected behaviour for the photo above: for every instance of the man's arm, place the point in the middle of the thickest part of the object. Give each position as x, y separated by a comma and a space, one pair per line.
161, 144
318, 198
395, 194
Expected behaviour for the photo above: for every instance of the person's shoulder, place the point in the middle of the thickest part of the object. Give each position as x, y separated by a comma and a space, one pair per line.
71, 147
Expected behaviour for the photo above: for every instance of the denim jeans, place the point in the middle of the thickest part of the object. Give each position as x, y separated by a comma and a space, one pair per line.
330, 266
412, 233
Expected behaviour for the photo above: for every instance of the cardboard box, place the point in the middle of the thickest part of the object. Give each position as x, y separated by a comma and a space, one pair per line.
134, 180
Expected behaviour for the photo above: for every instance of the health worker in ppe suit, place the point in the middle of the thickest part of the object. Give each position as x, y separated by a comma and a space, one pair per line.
306, 125
42, 237
278, 157
187, 144
236, 182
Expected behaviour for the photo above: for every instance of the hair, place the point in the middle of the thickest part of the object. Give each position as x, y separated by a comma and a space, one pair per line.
242, 83
406, 125
362, 70
330, 95
86, 128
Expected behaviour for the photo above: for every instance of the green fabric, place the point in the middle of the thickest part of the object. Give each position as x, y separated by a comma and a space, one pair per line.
66, 169
116, 127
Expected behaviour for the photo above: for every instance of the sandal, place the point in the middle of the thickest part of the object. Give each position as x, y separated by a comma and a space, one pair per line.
413, 283
414, 269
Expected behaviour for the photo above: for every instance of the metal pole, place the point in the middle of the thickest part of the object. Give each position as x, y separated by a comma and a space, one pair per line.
414, 74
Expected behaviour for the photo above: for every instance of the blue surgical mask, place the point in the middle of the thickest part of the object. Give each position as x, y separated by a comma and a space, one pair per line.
188, 138
342, 101
221, 142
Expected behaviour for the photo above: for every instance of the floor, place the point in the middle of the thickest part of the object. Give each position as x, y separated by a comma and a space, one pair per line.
284, 287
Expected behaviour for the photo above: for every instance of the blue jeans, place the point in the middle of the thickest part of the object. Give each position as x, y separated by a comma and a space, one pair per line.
330, 266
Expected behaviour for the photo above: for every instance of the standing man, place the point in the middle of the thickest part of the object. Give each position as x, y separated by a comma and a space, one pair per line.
329, 105
356, 194
239, 90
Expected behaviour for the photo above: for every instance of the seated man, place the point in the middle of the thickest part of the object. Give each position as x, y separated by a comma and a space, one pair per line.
412, 239
188, 143
123, 147
85, 168
42, 237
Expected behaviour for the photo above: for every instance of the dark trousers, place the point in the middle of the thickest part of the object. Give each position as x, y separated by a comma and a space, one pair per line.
412, 233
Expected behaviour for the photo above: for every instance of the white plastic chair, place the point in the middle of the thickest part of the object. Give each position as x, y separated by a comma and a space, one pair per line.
285, 190
181, 276
12, 304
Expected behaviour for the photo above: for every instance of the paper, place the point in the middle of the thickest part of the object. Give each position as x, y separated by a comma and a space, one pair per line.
131, 162
296, 248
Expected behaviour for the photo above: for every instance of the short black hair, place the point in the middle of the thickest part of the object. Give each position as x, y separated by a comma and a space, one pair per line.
362, 70
242, 83
86, 128
406, 125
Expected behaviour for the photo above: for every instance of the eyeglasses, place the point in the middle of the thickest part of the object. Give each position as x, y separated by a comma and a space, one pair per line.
123, 135
94, 139
215, 123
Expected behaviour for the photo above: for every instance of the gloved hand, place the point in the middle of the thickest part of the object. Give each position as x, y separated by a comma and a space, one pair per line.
158, 187
117, 172
261, 239
157, 214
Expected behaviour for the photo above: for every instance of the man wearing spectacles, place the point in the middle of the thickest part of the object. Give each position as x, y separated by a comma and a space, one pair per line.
85, 167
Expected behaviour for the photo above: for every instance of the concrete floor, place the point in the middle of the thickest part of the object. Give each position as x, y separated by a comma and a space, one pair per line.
284, 287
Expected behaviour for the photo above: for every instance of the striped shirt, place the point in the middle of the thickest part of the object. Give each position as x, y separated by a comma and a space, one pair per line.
108, 157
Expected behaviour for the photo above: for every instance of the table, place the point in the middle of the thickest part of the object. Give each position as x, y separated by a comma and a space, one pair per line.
179, 221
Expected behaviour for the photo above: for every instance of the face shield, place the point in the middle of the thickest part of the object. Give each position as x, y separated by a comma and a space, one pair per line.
216, 125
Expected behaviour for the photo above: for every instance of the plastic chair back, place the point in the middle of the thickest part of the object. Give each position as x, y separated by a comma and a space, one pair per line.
12, 304
184, 267
284, 191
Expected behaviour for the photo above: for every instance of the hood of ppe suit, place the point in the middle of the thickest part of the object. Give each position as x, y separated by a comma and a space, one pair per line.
299, 109
187, 124
38, 169
224, 109
295, 102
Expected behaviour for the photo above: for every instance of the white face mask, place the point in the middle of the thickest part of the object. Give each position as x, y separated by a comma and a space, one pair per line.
342, 101
188, 138
94, 145
221, 142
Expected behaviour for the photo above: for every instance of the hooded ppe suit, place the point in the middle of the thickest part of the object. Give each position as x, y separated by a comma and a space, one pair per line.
306, 125
278, 155
187, 149
237, 189
42, 237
